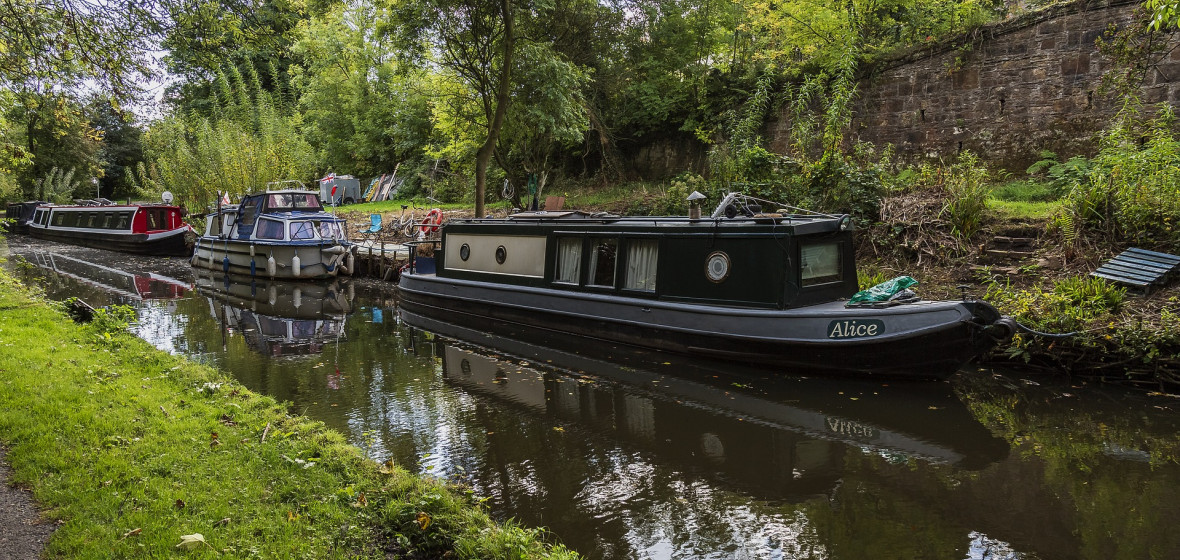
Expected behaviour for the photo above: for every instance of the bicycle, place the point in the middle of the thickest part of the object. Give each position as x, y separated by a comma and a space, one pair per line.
403, 223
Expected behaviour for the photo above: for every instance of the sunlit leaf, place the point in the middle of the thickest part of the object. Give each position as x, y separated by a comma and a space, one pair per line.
190, 542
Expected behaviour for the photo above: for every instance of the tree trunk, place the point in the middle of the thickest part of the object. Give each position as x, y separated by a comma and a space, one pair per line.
484, 155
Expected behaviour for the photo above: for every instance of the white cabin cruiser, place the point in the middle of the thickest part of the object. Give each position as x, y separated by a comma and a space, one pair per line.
283, 234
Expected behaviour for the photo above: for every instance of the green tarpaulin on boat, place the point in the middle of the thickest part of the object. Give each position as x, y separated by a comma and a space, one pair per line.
884, 290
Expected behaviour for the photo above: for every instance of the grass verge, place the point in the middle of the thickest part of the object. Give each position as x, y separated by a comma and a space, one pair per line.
134, 451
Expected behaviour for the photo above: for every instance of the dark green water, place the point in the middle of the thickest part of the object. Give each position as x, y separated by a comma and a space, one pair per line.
625, 454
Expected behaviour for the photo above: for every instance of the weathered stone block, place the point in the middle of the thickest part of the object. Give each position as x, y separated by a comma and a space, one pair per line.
965, 78
1075, 64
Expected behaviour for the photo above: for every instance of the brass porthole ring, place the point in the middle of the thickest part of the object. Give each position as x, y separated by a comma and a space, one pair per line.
717, 266
501, 254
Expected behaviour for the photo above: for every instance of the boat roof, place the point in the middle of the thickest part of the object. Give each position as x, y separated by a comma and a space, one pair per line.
301, 215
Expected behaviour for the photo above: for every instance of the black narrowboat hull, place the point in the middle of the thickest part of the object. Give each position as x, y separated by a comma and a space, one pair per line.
174, 243
928, 340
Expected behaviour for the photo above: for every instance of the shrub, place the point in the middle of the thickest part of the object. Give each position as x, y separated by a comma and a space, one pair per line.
967, 189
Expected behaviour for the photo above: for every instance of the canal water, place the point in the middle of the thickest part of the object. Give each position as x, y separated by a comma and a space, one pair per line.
635, 455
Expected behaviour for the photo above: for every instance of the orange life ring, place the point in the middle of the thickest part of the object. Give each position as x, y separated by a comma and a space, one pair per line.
432, 221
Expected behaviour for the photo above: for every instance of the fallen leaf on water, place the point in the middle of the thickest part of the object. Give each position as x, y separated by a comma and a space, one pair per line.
423, 520
189, 542
558, 429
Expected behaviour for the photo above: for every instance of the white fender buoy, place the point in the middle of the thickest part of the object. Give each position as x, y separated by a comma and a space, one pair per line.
297, 297
349, 261
271, 266
296, 271
272, 294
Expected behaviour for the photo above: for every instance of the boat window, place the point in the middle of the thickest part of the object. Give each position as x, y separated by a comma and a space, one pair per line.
331, 230
124, 220
156, 218
569, 260
92, 219
641, 265
306, 200
59, 218
249, 211
279, 200
302, 230
107, 219
269, 229
820, 263
602, 262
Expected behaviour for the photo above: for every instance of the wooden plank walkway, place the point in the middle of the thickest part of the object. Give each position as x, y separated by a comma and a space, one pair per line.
1139, 268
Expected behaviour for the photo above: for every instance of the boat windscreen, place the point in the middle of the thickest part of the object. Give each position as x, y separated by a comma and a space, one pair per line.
293, 201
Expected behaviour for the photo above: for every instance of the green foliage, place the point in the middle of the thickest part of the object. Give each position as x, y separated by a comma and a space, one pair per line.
1132, 190
362, 111
67, 43
253, 140
1073, 304
57, 186
1164, 14
967, 189
109, 322
1061, 175
867, 278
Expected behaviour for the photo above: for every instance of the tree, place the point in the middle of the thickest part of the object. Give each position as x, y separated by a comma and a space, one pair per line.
47, 41
362, 111
476, 41
120, 150
206, 35
55, 133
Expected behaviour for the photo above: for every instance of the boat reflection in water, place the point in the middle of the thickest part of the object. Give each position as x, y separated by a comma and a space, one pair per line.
130, 285
278, 318
778, 437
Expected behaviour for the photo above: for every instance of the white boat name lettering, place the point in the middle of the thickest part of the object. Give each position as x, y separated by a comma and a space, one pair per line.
855, 328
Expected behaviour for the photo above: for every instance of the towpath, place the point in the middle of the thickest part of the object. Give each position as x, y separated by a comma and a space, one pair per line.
23, 533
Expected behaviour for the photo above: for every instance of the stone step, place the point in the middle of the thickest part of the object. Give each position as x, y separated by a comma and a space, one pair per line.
1014, 241
1008, 254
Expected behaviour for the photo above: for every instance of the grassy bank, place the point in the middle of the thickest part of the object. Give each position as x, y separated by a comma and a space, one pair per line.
134, 452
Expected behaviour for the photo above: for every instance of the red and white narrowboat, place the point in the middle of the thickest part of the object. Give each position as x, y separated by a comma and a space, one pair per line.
143, 228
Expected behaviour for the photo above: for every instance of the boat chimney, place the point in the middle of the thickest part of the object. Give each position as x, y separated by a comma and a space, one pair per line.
694, 205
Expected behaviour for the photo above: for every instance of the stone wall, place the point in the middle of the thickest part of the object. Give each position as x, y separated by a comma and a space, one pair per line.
1005, 92
1023, 85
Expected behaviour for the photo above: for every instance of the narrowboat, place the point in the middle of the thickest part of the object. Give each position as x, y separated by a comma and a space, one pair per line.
142, 228
741, 284
19, 214
277, 234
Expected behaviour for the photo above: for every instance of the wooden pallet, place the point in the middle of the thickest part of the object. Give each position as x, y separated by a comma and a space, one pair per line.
1139, 268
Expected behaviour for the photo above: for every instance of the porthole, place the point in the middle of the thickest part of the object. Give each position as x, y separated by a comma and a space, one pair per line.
501, 254
717, 266
465, 252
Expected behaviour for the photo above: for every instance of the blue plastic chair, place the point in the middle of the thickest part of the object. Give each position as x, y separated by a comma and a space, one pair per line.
374, 229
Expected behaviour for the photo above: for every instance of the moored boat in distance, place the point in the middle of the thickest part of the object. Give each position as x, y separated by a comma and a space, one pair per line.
19, 214
277, 234
767, 288
139, 227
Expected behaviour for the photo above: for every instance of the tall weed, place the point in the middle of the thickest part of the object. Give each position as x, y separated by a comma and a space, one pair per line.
1132, 191
967, 188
